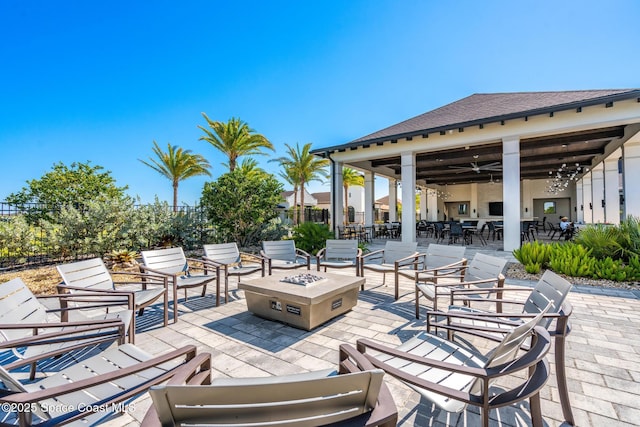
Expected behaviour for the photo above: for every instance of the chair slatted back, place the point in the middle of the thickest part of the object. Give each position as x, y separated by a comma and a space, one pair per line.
171, 260
284, 250
224, 253
440, 255
394, 251
483, 267
341, 250
308, 402
508, 349
19, 305
551, 290
90, 274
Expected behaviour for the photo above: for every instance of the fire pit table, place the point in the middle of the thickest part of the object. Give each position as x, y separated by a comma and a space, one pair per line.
305, 300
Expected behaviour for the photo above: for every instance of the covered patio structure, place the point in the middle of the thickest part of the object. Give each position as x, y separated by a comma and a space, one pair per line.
504, 156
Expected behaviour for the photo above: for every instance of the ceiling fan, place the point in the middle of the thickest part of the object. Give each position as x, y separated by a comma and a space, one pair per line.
477, 168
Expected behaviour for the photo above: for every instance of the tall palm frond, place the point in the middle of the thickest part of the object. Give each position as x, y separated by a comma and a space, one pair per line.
177, 165
305, 166
234, 139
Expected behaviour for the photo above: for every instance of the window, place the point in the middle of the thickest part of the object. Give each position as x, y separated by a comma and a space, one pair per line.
549, 207
463, 209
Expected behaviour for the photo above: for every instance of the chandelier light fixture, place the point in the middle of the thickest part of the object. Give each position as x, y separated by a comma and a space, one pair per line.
559, 179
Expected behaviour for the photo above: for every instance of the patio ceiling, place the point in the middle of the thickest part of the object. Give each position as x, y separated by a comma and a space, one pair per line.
539, 157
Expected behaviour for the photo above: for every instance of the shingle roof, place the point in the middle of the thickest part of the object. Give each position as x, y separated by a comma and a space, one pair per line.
491, 107
323, 197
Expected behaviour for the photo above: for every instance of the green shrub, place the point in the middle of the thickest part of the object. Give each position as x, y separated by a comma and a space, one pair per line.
629, 238
572, 259
533, 255
602, 241
311, 237
610, 269
242, 206
16, 237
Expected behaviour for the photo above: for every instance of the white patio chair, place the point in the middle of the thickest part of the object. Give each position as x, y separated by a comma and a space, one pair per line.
93, 276
33, 332
395, 256
283, 254
339, 254
231, 262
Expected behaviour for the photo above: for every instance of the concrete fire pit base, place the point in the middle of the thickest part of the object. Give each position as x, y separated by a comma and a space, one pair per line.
302, 306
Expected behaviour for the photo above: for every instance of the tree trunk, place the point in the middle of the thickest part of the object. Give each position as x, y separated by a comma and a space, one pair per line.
295, 206
302, 200
175, 196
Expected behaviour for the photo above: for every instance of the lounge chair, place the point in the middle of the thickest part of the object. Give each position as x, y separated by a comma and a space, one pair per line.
453, 376
355, 397
395, 256
231, 262
93, 276
339, 254
90, 392
551, 290
177, 268
26, 328
484, 271
283, 254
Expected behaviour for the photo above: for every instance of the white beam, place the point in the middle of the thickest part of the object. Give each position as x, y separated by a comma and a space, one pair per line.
408, 162
597, 192
369, 197
612, 188
511, 192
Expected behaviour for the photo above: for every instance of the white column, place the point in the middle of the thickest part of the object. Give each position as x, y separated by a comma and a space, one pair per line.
408, 160
597, 192
612, 188
338, 196
473, 208
393, 200
432, 204
631, 176
423, 203
369, 197
588, 199
511, 192
579, 201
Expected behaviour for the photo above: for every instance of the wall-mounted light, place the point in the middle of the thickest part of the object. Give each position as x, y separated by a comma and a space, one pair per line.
581, 207
590, 205
603, 203
526, 209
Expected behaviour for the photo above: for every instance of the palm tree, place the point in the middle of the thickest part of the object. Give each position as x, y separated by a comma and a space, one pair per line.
234, 138
249, 167
350, 177
305, 167
177, 165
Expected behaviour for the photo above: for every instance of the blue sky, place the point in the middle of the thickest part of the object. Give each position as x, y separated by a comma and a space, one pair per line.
100, 81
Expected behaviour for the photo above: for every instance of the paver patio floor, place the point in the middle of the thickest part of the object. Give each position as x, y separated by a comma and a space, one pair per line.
603, 350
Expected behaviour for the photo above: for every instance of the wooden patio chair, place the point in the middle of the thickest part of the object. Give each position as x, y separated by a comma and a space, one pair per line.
283, 255
227, 258
91, 392
339, 254
484, 271
357, 396
177, 268
394, 258
33, 332
452, 375
93, 276
551, 290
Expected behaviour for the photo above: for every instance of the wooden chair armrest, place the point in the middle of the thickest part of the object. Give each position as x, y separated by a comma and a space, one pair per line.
320, 253
35, 396
377, 253
195, 372
385, 412
255, 257
305, 254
